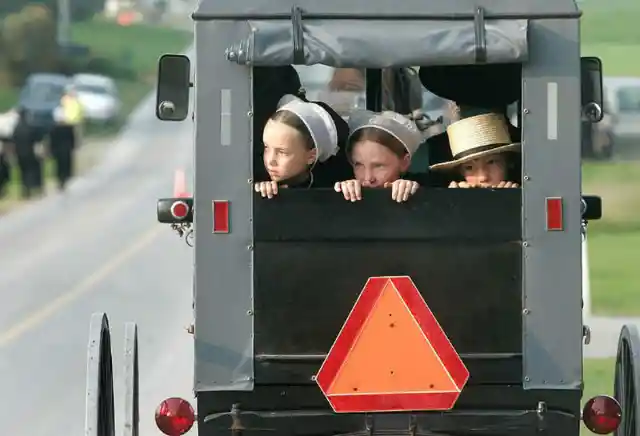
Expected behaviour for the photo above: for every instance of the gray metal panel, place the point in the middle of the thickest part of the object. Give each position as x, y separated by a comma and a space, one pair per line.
382, 7
552, 315
223, 262
381, 44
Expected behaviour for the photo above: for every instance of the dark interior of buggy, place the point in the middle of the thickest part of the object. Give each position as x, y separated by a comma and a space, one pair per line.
463, 250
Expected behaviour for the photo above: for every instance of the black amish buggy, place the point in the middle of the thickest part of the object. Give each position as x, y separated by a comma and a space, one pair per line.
490, 278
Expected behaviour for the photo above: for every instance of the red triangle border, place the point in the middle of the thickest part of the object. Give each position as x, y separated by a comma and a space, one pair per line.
418, 308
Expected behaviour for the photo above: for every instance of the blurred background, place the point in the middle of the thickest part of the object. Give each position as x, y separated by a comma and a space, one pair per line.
88, 240
611, 169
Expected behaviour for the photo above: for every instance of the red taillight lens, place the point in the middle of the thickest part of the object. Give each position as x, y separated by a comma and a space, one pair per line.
179, 210
175, 416
602, 414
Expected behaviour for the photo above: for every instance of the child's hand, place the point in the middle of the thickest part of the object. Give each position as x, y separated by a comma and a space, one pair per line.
351, 189
267, 189
507, 185
460, 185
401, 189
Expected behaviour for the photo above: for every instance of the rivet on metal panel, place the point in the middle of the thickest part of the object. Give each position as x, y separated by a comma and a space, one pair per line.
525, 111
250, 113
249, 312
313, 378
249, 247
527, 378
527, 178
249, 180
525, 244
526, 311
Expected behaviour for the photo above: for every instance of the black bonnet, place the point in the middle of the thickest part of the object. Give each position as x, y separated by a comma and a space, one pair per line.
492, 85
270, 84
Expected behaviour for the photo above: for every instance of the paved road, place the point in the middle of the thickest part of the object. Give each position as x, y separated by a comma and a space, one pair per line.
98, 247
604, 335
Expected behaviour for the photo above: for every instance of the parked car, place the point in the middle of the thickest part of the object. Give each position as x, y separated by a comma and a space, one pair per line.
98, 96
39, 98
622, 106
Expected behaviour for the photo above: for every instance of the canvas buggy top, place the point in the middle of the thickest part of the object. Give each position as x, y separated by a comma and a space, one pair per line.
500, 270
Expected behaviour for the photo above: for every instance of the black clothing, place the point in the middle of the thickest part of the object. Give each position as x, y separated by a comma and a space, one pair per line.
29, 164
482, 85
62, 150
5, 173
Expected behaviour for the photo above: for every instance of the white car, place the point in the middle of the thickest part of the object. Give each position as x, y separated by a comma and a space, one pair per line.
98, 96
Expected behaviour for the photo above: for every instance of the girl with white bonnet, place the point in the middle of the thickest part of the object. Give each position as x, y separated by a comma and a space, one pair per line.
379, 149
297, 136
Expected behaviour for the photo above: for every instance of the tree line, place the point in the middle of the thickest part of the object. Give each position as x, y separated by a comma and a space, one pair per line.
28, 42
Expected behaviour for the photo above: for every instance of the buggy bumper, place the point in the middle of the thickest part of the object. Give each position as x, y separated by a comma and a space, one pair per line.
456, 422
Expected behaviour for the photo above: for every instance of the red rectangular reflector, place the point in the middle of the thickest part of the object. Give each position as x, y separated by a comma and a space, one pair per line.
220, 216
555, 219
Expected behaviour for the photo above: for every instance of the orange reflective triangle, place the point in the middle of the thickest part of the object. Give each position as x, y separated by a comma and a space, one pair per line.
391, 354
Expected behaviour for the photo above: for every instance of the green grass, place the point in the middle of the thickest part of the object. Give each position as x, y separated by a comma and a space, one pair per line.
614, 240
610, 31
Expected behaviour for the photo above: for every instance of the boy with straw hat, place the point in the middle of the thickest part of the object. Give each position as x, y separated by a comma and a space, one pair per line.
483, 152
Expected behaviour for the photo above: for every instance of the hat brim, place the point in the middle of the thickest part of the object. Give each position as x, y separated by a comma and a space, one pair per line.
516, 146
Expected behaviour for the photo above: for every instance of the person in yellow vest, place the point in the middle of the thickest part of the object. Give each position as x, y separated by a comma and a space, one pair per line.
65, 136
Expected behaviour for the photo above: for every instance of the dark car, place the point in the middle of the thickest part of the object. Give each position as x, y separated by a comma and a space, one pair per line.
38, 100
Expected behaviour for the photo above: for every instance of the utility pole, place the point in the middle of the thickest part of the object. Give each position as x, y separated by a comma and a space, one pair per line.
64, 22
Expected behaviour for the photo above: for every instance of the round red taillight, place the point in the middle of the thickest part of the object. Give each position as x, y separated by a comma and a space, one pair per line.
602, 414
179, 210
175, 416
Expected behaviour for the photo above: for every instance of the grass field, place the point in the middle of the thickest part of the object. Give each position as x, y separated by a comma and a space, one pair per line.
609, 31
614, 240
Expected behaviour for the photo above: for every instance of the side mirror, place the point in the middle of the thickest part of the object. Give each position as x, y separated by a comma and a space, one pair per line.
174, 83
592, 91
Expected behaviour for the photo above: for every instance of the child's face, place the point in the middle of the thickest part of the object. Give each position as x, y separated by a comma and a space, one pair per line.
375, 164
485, 171
285, 153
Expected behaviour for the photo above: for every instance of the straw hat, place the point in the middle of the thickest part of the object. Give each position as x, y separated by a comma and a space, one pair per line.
477, 136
